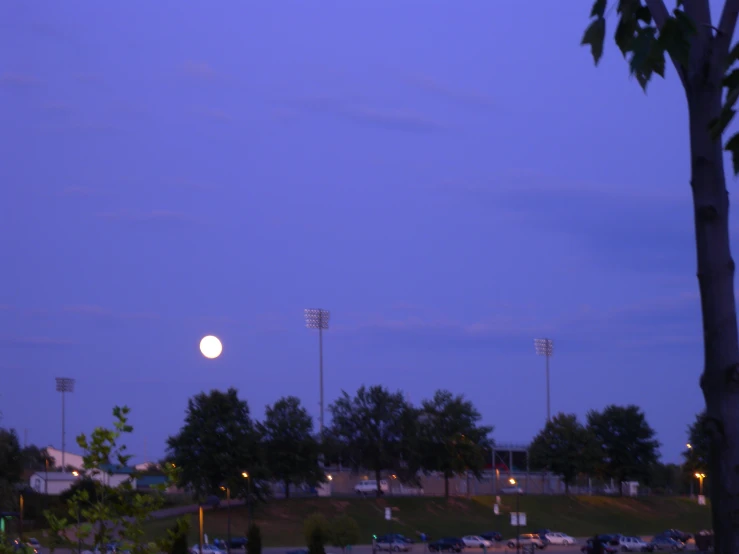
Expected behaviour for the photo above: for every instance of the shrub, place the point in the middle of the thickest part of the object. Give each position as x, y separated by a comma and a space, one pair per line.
254, 539
317, 533
344, 532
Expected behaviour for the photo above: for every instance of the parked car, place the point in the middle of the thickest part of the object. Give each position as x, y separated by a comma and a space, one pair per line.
400, 537
369, 486
392, 544
559, 538
613, 540
666, 543
207, 549
447, 544
492, 536
476, 541
675, 534
236, 543
607, 548
512, 489
529, 538
633, 544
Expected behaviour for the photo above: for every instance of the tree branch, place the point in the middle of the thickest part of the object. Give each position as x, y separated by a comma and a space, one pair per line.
726, 27
660, 14
699, 11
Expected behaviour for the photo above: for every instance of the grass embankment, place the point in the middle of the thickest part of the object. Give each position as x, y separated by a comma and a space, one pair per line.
281, 521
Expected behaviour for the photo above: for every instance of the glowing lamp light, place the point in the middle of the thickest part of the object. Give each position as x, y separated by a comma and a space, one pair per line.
211, 347
512, 481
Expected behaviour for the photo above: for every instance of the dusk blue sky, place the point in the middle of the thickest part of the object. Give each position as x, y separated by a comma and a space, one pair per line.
450, 179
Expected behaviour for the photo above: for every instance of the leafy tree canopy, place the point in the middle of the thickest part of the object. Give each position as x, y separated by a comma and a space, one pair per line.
627, 441
290, 449
565, 447
216, 444
11, 460
372, 426
697, 447
452, 441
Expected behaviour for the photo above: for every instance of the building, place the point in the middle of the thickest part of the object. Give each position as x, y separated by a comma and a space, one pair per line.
55, 482
70, 460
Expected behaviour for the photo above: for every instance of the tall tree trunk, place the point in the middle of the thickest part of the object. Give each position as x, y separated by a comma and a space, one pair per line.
720, 379
446, 485
287, 488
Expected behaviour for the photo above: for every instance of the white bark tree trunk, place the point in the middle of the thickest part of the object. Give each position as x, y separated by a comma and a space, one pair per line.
720, 379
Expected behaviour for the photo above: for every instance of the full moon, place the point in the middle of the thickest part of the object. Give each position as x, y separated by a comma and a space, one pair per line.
211, 347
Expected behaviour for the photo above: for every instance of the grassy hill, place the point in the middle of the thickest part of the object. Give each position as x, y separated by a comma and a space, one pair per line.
282, 520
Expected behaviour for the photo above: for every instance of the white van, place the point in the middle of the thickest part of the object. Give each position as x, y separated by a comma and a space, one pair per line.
370, 487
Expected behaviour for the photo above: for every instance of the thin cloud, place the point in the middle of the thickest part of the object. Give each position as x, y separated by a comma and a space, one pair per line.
153, 216
19, 80
78, 191
469, 97
199, 70
391, 119
35, 342
98, 312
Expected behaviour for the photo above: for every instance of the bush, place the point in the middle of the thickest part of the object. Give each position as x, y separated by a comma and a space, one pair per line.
254, 539
179, 544
344, 532
317, 533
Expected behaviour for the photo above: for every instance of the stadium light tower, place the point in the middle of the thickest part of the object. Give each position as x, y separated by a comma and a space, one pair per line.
545, 347
64, 385
315, 318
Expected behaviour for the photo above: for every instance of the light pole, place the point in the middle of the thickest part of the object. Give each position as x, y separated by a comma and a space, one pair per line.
21, 516
545, 347
316, 318
250, 515
700, 477
228, 518
512, 481
690, 448
200, 520
64, 385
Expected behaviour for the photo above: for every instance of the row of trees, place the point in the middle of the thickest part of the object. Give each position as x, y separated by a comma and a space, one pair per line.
617, 443
375, 429
379, 431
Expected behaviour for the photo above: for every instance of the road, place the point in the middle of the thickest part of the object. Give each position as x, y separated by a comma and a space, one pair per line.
499, 548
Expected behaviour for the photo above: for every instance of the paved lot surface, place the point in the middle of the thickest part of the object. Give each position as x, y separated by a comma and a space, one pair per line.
499, 548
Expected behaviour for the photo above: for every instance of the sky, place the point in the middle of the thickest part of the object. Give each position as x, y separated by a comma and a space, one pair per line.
450, 179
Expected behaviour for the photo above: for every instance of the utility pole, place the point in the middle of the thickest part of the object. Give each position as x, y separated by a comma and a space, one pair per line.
64, 385
545, 347
316, 318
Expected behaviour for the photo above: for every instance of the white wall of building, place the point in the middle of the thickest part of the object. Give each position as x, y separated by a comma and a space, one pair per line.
73, 460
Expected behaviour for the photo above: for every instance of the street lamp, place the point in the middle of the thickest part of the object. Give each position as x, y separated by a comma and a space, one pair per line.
316, 318
700, 477
512, 481
228, 518
200, 521
245, 475
64, 385
545, 347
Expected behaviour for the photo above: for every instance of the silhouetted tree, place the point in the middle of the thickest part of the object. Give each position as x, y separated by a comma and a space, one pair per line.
704, 61
627, 441
452, 441
290, 449
216, 444
565, 447
372, 428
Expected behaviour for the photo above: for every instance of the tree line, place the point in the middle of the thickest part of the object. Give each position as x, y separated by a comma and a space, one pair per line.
379, 431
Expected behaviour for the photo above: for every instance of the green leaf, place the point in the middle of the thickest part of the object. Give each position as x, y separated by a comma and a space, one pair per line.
594, 35
647, 56
674, 37
731, 81
624, 36
718, 125
599, 8
733, 56
733, 146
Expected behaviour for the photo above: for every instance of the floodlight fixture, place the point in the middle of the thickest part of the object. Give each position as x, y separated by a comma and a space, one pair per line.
64, 385
545, 347
316, 318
